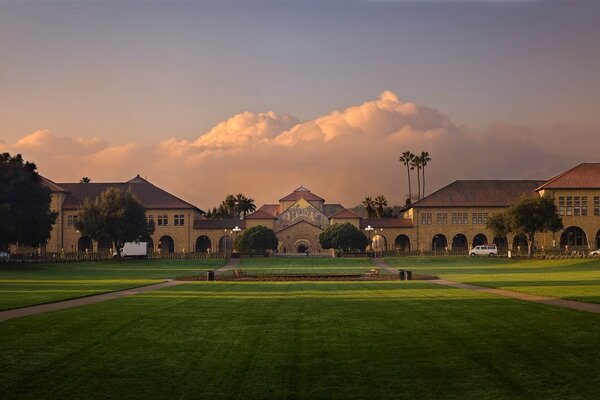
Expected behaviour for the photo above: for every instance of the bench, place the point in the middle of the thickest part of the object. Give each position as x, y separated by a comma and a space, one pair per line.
372, 273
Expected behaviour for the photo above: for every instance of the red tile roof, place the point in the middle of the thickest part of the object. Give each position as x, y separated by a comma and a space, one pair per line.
583, 176
344, 214
272, 209
301, 193
51, 185
149, 195
204, 223
479, 193
386, 223
260, 214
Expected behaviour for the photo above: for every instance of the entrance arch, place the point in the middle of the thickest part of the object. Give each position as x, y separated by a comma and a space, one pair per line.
203, 244
379, 243
573, 236
166, 245
402, 243
84, 244
501, 242
302, 248
598, 239
225, 244
480, 239
520, 241
460, 243
150, 245
104, 245
439, 242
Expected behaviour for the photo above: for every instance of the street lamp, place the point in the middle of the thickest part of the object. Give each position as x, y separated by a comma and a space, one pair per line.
369, 228
235, 231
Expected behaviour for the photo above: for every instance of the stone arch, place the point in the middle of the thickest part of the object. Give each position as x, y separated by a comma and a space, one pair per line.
203, 244
439, 242
166, 244
225, 244
573, 236
459, 242
379, 243
85, 244
520, 241
104, 245
479, 239
150, 244
501, 242
402, 243
598, 239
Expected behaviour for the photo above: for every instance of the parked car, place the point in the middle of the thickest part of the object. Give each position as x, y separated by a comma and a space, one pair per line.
4, 256
489, 250
595, 253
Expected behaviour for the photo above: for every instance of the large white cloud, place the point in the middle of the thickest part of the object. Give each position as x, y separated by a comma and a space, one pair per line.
342, 156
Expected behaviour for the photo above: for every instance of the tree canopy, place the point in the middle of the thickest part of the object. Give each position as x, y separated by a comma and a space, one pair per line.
257, 238
343, 237
115, 215
232, 207
528, 216
24, 204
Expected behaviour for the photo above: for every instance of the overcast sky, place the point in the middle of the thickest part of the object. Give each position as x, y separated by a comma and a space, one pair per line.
208, 98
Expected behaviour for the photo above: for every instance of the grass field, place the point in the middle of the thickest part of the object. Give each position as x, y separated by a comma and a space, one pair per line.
27, 284
283, 265
568, 279
311, 340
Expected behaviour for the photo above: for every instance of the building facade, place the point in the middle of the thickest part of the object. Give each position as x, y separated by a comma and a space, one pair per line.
451, 219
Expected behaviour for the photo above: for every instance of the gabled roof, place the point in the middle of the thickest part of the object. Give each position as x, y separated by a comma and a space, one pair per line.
479, 193
260, 214
386, 223
149, 195
583, 176
344, 214
330, 209
51, 185
300, 222
272, 209
229, 223
301, 193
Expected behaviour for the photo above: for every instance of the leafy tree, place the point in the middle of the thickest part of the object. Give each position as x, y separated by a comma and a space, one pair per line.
115, 215
25, 215
244, 205
380, 202
368, 204
424, 157
528, 216
85, 179
406, 159
257, 238
343, 237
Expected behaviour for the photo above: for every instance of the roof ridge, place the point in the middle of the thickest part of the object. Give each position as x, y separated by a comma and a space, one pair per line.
551, 180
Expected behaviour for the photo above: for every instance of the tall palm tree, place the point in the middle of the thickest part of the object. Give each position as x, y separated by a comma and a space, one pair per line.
230, 205
368, 204
244, 204
424, 161
380, 202
406, 159
416, 164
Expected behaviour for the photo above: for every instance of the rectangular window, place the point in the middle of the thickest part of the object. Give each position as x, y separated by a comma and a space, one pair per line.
577, 206
179, 220
485, 217
423, 218
561, 205
596, 205
454, 219
584, 206
163, 220
444, 218
465, 218
429, 218
150, 219
439, 218
71, 220
474, 218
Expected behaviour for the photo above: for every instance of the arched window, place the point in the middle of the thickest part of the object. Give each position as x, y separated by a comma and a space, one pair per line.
85, 244
166, 244
439, 242
573, 236
203, 244
459, 242
402, 243
479, 239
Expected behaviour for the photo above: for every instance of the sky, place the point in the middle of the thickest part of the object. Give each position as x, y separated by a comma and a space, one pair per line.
210, 98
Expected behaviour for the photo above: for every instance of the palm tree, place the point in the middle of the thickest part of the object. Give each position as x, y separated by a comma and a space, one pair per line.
229, 205
244, 205
416, 164
424, 160
85, 179
368, 204
406, 159
380, 202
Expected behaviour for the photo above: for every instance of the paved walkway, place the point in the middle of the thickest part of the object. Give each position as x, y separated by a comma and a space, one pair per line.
60, 305
381, 264
551, 301
232, 263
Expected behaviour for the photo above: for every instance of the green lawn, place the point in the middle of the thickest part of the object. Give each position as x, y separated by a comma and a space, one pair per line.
27, 284
283, 265
568, 279
303, 340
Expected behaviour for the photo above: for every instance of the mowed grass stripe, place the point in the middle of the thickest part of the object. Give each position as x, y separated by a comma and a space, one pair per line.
421, 346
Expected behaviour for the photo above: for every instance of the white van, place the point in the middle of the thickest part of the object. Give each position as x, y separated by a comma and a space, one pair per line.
134, 250
489, 250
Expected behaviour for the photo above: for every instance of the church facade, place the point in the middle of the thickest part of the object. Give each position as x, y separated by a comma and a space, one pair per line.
451, 219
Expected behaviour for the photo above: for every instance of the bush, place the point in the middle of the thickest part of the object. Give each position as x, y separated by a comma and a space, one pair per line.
344, 236
257, 238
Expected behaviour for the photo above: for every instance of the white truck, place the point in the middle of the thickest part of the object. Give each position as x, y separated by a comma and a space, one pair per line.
134, 250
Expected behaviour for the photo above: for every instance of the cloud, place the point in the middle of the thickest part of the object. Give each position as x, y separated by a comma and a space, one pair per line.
343, 156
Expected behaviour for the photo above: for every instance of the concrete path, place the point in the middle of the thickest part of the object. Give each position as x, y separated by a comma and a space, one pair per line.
60, 305
232, 263
551, 301
378, 262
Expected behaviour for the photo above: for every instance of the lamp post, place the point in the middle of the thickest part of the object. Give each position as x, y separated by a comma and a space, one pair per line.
235, 231
225, 241
369, 228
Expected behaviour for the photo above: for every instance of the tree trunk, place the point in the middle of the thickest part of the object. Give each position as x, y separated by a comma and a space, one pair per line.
423, 180
530, 242
409, 188
418, 184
